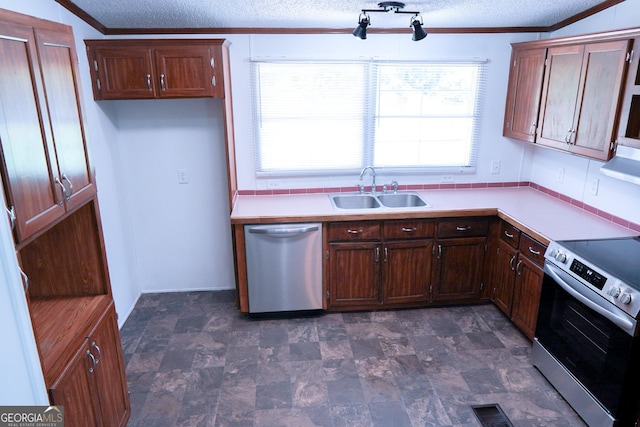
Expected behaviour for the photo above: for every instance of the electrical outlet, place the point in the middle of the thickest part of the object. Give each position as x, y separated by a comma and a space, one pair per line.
273, 184
595, 183
495, 167
560, 175
446, 178
183, 177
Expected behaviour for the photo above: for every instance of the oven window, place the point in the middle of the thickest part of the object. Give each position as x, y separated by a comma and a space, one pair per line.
589, 346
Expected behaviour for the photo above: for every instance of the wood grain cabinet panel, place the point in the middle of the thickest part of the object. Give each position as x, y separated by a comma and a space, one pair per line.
46, 170
407, 271
523, 94
629, 129
145, 69
92, 388
354, 275
581, 97
517, 278
457, 274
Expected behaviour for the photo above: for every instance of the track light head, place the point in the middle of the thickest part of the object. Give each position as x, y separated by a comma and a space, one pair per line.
390, 6
418, 32
361, 30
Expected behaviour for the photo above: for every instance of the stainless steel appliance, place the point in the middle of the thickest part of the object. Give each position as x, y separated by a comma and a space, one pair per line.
284, 267
586, 341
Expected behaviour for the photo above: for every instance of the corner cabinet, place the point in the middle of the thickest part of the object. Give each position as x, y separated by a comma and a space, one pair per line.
460, 248
149, 69
517, 277
629, 130
51, 198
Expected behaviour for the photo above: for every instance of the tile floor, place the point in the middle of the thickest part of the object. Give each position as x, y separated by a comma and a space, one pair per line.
193, 360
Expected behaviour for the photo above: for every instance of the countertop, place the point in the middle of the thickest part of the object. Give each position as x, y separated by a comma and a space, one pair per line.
540, 215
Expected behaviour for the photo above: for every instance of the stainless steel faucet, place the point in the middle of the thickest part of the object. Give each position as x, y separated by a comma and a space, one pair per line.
373, 175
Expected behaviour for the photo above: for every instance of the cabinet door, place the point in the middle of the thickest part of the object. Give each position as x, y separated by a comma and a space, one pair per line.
124, 73
523, 95
58, 62
503, 277
629, 130
526, 296
458, 271
559, 96
354, 274
603, 68
75, 390
185, 71
29, 167
110, 379
407, 271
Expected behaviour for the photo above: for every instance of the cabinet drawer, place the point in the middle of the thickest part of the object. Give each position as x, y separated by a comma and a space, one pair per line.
408, 229
463, 227
349, 231
510, 234
532, 249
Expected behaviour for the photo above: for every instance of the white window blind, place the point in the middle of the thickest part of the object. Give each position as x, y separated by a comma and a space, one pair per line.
327, 117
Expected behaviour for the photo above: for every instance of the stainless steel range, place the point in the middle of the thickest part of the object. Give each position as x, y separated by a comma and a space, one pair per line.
587, 342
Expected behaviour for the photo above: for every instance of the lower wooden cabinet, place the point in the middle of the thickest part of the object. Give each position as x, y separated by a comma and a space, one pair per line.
379, 265
92, 387
517, 277
457, 274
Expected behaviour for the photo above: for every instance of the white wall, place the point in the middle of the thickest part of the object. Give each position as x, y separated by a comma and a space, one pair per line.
495, 48
181, 232
616, 197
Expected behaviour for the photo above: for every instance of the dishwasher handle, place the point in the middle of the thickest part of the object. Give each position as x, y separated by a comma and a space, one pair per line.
284, 231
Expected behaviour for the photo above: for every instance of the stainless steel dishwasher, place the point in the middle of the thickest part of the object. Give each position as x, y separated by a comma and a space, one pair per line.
284, 267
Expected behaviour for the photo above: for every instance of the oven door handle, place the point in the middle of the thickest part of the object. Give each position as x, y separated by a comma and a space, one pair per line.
563, 280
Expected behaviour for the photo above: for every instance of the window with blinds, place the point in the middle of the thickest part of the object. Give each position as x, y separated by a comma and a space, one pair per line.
332, 117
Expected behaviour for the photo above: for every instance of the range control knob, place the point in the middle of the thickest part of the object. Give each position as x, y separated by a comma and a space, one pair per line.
614, 291
560, 256
625, 298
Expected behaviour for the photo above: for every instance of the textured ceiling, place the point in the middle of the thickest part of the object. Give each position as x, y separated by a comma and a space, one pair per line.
327, 14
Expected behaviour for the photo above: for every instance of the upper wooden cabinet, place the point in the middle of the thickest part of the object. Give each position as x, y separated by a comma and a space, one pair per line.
629, 130
523, 97
147, 69
46, 168
581, 96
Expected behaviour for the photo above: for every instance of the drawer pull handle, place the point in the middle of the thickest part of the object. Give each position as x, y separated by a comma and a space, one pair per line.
149, 83
163, 86
350, 231
377, 257
518, 269
409, 230
467, 228
509, 235
533, 251
511, 262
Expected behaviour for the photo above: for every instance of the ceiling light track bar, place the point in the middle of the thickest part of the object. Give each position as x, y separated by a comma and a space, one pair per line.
390, 6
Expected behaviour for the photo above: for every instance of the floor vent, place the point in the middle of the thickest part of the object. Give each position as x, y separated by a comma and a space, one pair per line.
491, 416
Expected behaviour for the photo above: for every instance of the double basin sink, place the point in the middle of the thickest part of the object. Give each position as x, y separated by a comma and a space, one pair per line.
401, 199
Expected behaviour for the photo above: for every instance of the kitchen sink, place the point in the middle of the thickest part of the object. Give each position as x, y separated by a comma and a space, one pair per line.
372, 201
401, 200
354, 201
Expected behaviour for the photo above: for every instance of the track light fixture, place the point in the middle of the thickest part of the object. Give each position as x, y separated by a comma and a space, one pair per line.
390, 6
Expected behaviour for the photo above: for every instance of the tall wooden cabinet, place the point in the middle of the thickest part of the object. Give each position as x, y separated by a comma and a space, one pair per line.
46, 163
51, 196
